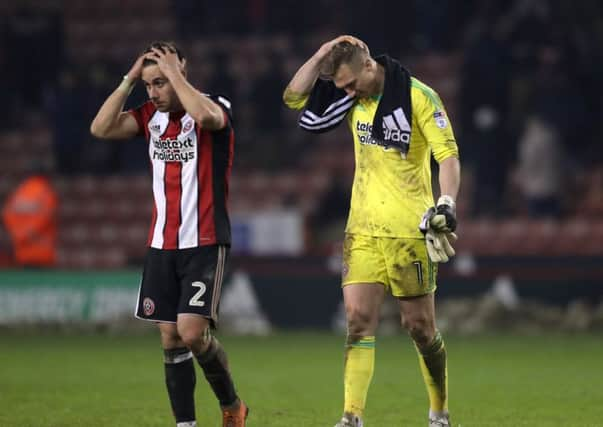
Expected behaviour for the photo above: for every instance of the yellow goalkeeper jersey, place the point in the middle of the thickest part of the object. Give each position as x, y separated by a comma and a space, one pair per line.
390, 194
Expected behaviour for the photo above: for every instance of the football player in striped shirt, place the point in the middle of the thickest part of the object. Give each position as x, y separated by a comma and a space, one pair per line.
190, 142
384, 250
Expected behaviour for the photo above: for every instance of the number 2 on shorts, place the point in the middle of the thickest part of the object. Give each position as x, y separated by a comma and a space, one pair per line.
196, 299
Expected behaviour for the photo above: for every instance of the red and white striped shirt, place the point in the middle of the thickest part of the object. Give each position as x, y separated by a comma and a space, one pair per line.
191, 170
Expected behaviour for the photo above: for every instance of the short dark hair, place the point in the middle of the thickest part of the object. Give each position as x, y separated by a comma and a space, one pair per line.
342, 53
163, 46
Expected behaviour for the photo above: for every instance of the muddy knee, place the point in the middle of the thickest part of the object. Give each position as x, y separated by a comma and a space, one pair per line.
360, 322
421, 330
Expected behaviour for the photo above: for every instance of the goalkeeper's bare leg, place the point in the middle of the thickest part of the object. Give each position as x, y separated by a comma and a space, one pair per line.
362, 303
418, 318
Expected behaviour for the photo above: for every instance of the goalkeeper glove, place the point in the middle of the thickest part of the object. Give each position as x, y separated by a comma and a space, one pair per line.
444, 218
439, 246
438, 243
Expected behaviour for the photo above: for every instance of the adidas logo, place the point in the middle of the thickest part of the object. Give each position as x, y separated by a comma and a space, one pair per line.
396, 127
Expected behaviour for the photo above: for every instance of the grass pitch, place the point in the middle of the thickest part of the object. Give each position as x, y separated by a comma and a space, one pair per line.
64, 380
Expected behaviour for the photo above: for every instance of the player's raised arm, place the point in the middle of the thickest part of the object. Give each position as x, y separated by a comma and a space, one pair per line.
111, 122
305, 77
201, 108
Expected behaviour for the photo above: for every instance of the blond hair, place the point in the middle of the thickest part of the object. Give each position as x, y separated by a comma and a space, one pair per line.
342, 53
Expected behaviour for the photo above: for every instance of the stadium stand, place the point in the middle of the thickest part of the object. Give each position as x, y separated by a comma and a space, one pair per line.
104, 217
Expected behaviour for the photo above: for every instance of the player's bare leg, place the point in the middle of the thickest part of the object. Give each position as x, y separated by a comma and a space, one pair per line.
418, 318
195, 333
180, 375
362, 303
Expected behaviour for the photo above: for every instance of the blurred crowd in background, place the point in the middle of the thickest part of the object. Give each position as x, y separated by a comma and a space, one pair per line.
520, 80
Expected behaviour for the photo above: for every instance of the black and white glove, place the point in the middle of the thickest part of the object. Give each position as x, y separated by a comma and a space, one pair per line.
444, 219
438, 242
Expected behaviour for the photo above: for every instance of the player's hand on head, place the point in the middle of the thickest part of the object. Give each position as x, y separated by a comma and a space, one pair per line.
353, 40
328, 46
167, 60
136, 70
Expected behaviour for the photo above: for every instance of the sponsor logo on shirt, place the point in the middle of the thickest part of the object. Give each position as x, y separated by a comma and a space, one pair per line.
173, 150
364, 132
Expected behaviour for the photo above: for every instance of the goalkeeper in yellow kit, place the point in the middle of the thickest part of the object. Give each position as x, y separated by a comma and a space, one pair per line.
395, 236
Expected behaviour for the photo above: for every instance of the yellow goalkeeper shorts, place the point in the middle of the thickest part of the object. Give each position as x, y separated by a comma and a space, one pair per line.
402, 265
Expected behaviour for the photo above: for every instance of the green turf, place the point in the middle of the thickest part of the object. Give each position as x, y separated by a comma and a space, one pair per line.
64, 380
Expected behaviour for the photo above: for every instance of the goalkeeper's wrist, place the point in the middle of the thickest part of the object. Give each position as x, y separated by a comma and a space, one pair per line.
447, 200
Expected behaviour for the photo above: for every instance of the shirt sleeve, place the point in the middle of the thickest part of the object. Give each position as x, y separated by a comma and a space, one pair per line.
226, 107
295, 101
433, 121
142, 114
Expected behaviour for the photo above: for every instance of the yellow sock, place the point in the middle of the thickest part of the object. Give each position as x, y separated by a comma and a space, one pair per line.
432, 360
358, 372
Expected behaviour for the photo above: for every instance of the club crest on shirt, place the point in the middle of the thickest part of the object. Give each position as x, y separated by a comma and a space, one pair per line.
188, 125
440, 119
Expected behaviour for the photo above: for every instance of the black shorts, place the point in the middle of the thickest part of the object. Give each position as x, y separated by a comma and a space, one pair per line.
181, 281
